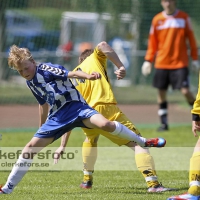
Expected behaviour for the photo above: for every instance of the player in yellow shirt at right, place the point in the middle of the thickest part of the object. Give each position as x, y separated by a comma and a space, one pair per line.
193, 192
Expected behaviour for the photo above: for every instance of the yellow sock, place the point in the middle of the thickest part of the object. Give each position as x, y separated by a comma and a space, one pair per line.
194, 175
89, 155
146, 166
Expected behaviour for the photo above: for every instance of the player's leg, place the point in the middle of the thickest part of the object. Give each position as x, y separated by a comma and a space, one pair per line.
188, 95
24, 162
194, 177
113, 127
163, 110
89, 148
145, 164
116, 128
161, 82
144, 161
47, 133
89, 156
181, 82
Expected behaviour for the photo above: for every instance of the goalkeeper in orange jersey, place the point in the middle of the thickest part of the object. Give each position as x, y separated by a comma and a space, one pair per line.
100, 97
170, 30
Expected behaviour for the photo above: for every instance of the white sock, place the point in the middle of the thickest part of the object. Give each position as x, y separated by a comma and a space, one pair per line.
87, 173
18, 171
123, 132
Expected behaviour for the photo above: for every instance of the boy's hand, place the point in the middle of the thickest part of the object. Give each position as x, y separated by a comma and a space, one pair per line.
120, 73
195, 127
195, 65
58, 153
94, 76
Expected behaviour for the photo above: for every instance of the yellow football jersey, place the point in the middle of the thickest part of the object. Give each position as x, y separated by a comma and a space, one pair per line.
196, 106
98, 91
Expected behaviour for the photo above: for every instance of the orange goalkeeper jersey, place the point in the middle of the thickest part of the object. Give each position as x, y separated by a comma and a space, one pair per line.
168, 41
98, 91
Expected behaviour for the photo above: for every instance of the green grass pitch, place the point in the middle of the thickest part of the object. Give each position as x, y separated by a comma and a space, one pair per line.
108, 184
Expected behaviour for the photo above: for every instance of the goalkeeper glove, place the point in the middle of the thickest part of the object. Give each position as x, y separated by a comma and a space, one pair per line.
146, 68
195, 65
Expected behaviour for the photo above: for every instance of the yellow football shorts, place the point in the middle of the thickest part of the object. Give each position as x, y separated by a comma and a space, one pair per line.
112, 113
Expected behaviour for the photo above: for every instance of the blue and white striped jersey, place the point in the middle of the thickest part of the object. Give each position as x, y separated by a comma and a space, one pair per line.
50, 84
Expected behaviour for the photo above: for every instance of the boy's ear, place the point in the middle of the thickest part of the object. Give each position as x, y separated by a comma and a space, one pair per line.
33, 61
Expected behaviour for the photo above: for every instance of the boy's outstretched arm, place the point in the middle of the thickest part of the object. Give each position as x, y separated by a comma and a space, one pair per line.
61, 149
107, 50
83, 75
43, 113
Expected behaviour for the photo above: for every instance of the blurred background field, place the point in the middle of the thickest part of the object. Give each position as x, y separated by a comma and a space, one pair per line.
56, 31
108, 184
141, 94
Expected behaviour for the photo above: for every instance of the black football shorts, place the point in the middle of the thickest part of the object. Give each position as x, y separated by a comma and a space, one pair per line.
177, 78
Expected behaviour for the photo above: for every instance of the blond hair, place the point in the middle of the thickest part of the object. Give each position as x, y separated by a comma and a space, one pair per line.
17, 55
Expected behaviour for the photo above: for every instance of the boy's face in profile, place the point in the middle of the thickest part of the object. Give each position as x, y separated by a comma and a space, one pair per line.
26, 69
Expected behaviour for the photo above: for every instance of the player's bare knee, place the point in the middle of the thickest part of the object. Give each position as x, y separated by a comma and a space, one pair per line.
108, 126
185, 91
28, 155
29, 151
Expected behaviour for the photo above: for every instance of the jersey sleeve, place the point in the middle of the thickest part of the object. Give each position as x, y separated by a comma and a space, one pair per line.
192, 41
152, 43
100, 57
53, 72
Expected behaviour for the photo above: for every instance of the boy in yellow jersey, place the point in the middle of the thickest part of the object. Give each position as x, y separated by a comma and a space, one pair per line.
100, 97
193, 192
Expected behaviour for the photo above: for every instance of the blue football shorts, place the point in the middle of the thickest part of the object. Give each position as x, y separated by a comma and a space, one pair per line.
64, 120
